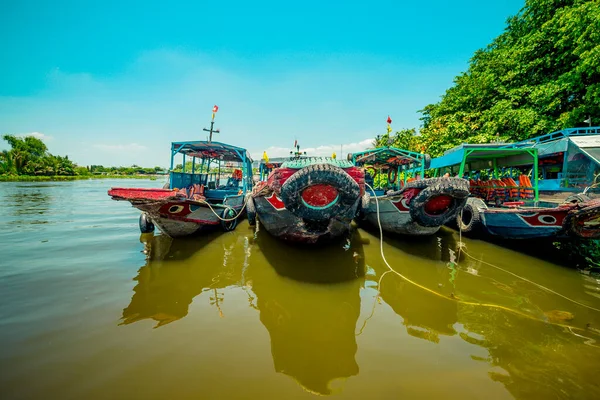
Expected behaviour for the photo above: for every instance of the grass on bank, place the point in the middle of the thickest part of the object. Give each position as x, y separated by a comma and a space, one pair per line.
31, 178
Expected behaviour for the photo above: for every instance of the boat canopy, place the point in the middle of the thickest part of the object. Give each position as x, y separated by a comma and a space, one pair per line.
388, 157
474, 157
212, 150
569, 158
467, 158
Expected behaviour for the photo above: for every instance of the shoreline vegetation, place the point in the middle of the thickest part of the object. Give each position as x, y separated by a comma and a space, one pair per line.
64, 178
28, 160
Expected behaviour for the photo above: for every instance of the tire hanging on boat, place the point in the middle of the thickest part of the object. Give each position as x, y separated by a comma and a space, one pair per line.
228, 213
577, 198
250, 210
392, 172
146, 225
582, 222
453, 190
469, 221
325, 174
365, 202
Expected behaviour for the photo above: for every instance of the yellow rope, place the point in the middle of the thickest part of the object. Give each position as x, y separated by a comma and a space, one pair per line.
226, 219
488, 305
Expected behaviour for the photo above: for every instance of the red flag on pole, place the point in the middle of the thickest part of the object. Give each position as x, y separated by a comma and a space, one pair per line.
389, 120
215, 108
295, 143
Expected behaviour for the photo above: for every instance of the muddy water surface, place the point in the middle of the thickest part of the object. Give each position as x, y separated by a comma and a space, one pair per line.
92, 309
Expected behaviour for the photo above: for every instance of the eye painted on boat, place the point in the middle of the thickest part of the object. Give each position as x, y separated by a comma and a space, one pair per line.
547, 219
175, 209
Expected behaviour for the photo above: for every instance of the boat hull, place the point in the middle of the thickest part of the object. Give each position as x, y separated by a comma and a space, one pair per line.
394, 217
174, 215
282, 223
525, 224
576, 219
419, 209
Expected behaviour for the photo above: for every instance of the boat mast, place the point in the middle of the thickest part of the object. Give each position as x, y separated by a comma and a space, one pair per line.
212, 124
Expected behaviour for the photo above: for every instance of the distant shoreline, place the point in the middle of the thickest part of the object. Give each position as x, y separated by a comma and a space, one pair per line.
33, 178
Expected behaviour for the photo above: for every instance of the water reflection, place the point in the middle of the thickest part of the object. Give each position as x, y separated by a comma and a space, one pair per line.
309, 301
441, 246
530, 356
179, 270
538, 361
312, 326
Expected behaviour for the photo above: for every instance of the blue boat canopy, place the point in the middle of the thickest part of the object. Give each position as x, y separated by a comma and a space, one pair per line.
483, 152
212, 150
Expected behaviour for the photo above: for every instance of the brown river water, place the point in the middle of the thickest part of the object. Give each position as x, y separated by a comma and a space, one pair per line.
91, 309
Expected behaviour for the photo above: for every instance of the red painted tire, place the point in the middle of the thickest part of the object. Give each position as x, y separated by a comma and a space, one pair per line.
439, 202
327, 175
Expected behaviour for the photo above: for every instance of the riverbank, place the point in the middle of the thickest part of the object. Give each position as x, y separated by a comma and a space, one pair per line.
27, 178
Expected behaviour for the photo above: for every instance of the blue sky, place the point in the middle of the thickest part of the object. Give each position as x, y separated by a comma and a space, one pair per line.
114, 83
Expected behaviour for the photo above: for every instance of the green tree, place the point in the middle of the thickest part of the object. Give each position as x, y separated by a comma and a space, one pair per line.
542, 74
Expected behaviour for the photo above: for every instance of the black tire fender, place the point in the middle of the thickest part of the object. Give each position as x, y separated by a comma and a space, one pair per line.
365, 201
146, 225
469, 220
227, 213
577, 198
348, 192
456, 188
250, 210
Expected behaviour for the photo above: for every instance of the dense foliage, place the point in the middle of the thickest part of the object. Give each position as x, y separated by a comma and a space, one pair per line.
133, 170
30, 156
542, 74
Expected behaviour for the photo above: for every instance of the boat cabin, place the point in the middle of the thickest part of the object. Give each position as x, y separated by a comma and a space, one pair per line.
389, 168
496, 174
265, 168
569, 159
211, 170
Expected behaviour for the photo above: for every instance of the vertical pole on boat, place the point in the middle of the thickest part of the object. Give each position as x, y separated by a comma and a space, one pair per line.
535, 176
565, 168
212, 124
193, 165
461, 170
172, 155
171, 168
183, 168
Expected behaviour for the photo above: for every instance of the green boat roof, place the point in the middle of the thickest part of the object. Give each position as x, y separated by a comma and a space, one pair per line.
387, 156
301, 162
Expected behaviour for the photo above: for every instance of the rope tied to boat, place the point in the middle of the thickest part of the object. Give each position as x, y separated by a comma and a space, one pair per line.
226, 219
456, 299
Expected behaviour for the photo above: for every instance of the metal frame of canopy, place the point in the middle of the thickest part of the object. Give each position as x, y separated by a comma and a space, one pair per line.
382, 155
488, 154
208, 151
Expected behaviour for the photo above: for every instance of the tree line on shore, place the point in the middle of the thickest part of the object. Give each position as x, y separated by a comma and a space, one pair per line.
29, 156
540, 75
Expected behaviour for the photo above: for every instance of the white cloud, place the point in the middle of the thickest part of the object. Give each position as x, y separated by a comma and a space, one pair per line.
37, 135
326, 150
130, 147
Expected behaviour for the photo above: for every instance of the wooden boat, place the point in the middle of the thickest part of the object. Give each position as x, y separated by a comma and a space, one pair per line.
501, 207
307, 199
413, 205
211, 195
